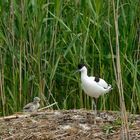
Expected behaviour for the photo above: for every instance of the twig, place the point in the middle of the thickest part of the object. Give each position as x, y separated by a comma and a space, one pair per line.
47, 106
14, 117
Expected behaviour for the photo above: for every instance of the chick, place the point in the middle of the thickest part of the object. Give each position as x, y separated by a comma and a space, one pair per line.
33, 106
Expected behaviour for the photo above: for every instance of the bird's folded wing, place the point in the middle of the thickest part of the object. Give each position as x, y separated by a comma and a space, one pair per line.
101, 82
27, 106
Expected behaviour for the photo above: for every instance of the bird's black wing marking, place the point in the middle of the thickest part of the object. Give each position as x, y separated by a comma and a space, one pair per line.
97, 79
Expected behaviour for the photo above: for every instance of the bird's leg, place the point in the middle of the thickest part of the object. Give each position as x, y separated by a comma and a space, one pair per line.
94, 105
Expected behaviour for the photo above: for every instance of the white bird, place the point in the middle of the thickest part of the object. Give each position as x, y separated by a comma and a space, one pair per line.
33, 106
93, 86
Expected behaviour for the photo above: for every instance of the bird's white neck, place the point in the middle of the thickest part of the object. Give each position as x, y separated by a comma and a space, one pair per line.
84, 74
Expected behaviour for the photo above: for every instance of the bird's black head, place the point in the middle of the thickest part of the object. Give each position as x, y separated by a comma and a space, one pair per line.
81, 66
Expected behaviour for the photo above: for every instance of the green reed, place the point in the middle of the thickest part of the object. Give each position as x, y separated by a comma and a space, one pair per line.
42, 42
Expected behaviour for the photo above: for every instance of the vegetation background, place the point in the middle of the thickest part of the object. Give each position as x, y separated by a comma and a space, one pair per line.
42, 42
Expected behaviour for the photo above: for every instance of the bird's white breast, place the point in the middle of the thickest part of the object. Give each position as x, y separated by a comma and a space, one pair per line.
37, 105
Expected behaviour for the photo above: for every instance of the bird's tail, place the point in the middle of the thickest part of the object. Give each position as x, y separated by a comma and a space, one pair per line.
109, 88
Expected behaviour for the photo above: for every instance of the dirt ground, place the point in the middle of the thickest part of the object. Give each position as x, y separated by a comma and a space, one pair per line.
67, 125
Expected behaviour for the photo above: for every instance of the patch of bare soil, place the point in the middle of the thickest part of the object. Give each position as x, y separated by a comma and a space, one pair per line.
67, 125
